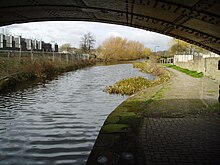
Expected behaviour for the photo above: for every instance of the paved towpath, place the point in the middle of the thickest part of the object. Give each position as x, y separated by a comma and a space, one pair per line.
182, 124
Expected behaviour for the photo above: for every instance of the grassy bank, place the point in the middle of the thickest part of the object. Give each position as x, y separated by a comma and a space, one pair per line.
194, 74
132, 85
40, 70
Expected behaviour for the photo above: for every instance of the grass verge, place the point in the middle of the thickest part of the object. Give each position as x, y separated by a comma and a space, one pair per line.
194, 74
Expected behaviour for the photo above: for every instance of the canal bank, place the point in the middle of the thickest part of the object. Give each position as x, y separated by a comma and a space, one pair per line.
117, 142
57, 122
125, 137
40, 72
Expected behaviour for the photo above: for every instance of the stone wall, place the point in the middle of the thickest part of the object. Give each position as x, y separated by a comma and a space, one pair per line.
209, 66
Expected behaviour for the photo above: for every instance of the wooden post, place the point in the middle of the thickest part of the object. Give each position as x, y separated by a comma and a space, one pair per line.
8, 63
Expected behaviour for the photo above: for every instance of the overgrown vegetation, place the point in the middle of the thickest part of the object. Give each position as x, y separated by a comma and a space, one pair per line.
151, 66
121, 49
186, 71
40, 69
129, 86
132, 85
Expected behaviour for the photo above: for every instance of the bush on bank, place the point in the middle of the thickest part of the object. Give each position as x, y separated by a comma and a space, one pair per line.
129, 86
132, 85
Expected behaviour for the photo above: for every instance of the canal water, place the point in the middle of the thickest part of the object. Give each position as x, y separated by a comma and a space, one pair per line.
58, 122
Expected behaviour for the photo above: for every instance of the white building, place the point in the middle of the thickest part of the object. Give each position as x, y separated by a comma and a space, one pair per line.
2, 37
9, 41
188, 57
17, 41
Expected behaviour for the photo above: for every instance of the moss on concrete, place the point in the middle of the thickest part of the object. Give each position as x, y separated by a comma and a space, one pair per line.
115, 128
159, 94
211, 91
112, 119
129, 113
215, 108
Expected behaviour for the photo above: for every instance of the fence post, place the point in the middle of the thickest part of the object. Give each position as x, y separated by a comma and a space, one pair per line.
7, 63
19, 56
53, 56
219, 93
32, 56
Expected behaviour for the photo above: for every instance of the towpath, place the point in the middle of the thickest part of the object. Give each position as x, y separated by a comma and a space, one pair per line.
181, 124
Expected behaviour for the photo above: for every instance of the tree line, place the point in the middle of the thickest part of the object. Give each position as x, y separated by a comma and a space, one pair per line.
118, 49
112, 49
121, 49
182, 47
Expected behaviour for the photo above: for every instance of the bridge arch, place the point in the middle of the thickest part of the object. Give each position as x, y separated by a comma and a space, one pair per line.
194, 21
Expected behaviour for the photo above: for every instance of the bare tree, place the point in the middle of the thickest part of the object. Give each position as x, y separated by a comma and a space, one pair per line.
87, 42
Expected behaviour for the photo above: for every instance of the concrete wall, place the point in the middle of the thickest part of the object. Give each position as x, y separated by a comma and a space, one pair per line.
209, 66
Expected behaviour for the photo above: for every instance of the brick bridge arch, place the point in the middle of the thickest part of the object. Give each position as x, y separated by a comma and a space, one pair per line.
194, 21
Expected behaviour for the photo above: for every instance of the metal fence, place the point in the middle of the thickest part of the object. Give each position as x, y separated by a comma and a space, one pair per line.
13, 62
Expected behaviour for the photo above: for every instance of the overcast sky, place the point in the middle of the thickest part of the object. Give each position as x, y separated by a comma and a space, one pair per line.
71, 32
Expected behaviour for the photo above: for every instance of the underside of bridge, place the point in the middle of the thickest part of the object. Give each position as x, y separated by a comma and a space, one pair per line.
194, 21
